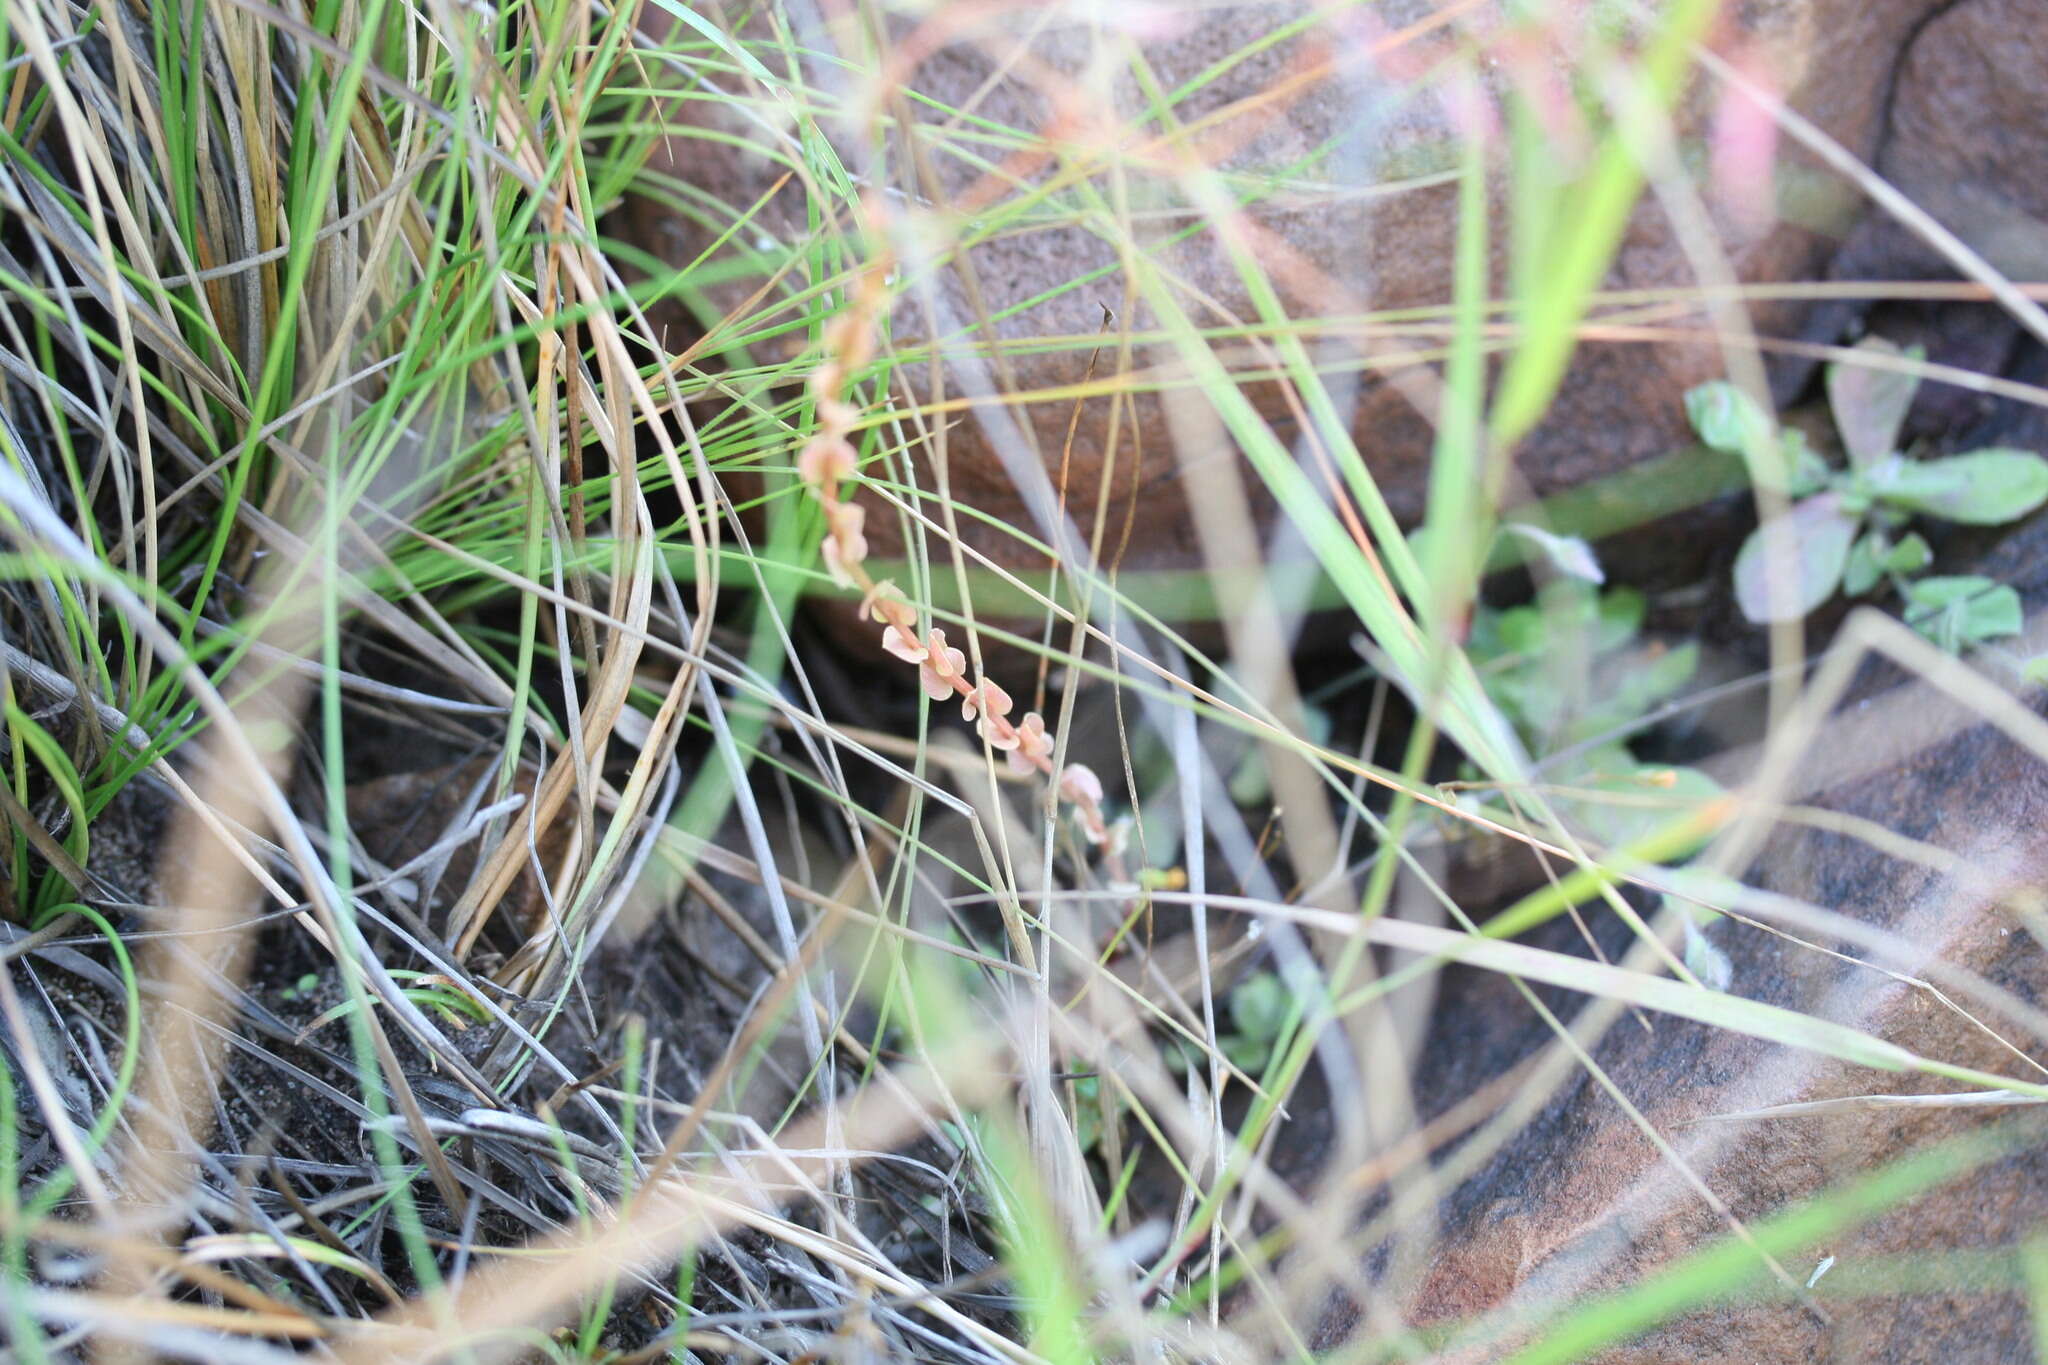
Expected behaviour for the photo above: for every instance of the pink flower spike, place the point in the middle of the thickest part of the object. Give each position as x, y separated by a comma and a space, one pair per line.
942, 665
904, 647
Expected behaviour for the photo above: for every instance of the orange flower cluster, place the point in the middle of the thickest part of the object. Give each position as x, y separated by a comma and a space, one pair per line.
827, 460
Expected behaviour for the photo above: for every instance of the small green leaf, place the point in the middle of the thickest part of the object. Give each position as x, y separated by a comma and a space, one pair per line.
1087, 1113
1963, 610
1995, 615
1870, 403
1982, 488
1664, 672
1522, 630
1482, 638
1910, 555
1621, 615
1567, 555
1815, 540
1247, 1054
1726, 419
1251, 784
1635, 802
1259, 1007
1704, 960
2034, 672
1806, 472
1866, 564
268, 736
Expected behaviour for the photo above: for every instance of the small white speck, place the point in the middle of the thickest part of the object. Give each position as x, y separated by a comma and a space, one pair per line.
1827, 1263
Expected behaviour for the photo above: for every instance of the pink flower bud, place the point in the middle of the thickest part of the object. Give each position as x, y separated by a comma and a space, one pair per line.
942, 665
904, 647
824, 461
845, 547
1080, 785
879, 602
826, 379
835, 565
1083, 789
1033, 743
987, 698
849, 338
835, 416
1000, 734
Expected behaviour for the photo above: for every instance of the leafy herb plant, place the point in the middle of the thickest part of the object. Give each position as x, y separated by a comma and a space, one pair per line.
1572, 674
1847, 528
1258, 1016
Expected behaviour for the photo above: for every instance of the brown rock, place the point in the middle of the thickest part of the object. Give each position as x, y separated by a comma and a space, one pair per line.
1580, 1203
1964, 132
1967, 128
1368, 227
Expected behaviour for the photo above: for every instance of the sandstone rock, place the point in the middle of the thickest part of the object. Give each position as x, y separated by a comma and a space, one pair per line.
1965, 125
1354, 213
1966, 129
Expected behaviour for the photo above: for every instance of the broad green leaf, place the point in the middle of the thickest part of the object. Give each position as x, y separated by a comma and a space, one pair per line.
1814, 541
1870, 403
1982, 488
1963, 610
1726, 418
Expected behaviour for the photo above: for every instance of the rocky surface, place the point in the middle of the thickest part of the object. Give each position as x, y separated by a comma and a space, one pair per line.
1368, 225
1966, 131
